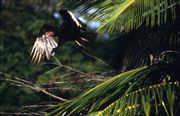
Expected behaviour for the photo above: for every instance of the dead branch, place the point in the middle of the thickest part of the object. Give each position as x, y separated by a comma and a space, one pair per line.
20, 81
60, 65
94, 57
37, 106
22, 114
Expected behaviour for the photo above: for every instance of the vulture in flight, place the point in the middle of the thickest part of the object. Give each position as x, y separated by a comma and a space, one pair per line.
50, 37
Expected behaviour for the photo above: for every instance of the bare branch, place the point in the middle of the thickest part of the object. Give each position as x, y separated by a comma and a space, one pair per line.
22, 114
94, 57
60, 65
29, 84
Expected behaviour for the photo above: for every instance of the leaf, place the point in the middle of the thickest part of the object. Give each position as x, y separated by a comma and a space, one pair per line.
108, 92
145, 98
125, 15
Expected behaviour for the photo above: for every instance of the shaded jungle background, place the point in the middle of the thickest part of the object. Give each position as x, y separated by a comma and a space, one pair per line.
21, 21
25, 87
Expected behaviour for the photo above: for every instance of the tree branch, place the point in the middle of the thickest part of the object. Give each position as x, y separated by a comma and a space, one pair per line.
29, 84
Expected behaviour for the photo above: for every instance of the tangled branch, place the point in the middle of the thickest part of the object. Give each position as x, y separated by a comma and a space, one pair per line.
29, 84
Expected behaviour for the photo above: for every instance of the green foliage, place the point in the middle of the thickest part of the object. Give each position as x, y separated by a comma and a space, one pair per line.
117, 16
119, 86
23, 95
21, 21
150, 100
148, 26
17, 32
89, 100
17, 39
18, 28
152, 28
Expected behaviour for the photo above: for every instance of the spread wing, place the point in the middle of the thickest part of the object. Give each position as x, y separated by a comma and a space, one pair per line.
43, 47
71, 19
74, 19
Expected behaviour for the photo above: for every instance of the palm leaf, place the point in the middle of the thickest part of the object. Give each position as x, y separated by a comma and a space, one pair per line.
90, 98
127, 14
102, 95
152, 100
74, 4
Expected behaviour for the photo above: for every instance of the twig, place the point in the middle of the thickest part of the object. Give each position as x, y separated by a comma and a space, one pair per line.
55, 68
38, 106
94, 57
30, 85
57, 61
60, 65
22, 113
75, 70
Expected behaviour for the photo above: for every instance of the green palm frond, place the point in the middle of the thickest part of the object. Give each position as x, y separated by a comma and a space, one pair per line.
90, 100
74, 4
125, 15
102, 95
157, 99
